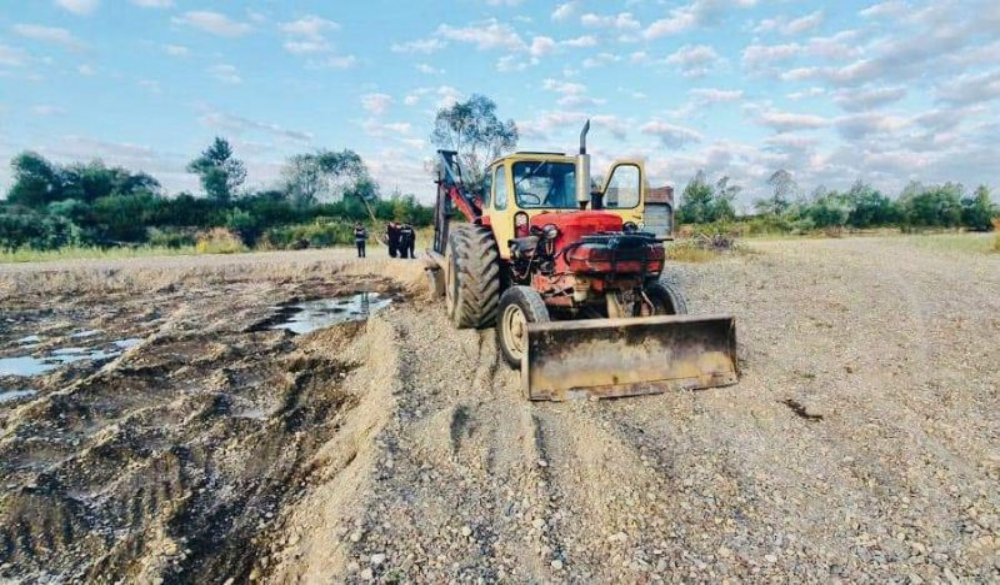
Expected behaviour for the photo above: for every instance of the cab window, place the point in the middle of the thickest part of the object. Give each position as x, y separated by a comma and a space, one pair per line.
486, 187
623, 188
539, 185
499, 188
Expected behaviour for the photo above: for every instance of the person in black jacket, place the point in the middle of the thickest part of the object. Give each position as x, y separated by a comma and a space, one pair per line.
392, 235
407, 240
360, 238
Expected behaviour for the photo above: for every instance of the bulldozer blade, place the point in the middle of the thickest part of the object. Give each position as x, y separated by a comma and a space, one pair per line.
604, 358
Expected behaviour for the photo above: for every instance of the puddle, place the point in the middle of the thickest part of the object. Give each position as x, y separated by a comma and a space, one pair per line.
312, 315
25, 366
28, 366
86, 334
15, 395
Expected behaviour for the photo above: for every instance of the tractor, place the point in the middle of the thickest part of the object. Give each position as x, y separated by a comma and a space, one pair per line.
567, 275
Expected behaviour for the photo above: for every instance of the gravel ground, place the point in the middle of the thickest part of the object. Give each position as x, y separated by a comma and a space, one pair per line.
861, 444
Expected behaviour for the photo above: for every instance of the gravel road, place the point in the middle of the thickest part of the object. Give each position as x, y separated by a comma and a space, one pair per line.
861, 445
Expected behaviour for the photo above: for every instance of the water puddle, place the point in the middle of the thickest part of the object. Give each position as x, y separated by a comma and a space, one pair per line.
7, 396
312, 315
28, 365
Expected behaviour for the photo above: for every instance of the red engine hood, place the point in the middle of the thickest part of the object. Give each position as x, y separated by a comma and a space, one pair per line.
575, 224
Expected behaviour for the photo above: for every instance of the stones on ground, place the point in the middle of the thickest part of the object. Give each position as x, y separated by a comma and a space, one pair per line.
466, 531
377, 559
557, 564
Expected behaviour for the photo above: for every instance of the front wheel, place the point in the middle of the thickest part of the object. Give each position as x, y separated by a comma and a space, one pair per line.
519, 305
665, 299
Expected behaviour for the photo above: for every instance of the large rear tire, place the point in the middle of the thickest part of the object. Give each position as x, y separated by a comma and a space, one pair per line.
666, 299
519, 305
472, 277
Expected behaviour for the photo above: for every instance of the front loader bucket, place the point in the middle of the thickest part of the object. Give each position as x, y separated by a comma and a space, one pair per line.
606, 358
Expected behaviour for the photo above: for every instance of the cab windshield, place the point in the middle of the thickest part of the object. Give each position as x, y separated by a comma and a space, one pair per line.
545, 185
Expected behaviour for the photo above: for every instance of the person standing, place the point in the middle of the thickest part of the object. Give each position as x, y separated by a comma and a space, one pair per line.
408, 237
392, 235
360, 238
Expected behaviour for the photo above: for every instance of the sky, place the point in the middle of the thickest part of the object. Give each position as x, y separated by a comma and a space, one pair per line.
885, 91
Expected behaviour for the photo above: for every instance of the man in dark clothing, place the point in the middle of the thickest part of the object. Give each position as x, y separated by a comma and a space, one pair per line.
360, 238
408, 240
392, 235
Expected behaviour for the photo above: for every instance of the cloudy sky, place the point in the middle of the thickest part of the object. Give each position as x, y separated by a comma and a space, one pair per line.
887, 91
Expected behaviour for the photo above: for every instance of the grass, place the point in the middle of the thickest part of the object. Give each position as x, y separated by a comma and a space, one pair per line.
689, 251
962, 243
76, 253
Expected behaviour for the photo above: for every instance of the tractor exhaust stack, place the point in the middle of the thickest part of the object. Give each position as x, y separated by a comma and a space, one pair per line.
583, 170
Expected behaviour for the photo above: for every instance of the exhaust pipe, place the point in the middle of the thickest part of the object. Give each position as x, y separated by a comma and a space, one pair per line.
583, 170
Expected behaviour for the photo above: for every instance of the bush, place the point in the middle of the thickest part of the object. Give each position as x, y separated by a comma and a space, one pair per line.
323, 233
36, 231
171, 238
219, 241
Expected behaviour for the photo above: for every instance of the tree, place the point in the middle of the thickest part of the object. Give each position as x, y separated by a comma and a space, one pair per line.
36, 181
870, 208
978, 211
785, 190
473, 129
934, 206
322, 176
220, 172
700, 203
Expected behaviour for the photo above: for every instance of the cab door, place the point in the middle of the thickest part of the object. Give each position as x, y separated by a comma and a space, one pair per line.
500, 209
624, 190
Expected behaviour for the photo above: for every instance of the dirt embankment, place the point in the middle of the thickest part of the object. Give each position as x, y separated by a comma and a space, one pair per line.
860, 445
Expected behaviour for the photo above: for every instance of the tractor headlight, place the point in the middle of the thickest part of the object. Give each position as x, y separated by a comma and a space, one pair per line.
550, 232
630, 227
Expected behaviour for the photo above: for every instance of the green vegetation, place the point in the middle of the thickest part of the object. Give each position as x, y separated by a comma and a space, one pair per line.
918, 208
89, 209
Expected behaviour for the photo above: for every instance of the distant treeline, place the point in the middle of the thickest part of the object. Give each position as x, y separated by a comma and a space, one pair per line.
862, 206
316, 203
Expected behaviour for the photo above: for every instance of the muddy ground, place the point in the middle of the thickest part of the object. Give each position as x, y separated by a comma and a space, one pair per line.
179, 437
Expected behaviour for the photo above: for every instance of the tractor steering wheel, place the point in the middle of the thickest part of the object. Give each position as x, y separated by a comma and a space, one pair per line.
523, 196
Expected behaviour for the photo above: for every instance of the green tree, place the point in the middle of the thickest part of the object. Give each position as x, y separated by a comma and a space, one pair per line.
934, 206
220, 172
785, 189
322, 176
701, 203
473, 129
978, 211
870, 208
36, 181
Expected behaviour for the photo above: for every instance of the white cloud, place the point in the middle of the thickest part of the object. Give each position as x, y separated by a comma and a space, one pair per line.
491, 34
541, 46
49, 34
757, 56
671, 135
889, 8
376, 103
788, 122
153, 3
241, 125
581, 42
707, 95
151, 85
309, 27
600, 60
795, 26
307, 46
565, 10
563, 87
425, 46
79, 6
48, 110
213, 23
225, 73
857, 126
972, 88
12, 56
694, 60
337, 62
176, 50
621, 21
855, 100
696, 14
86, 70
429, 69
